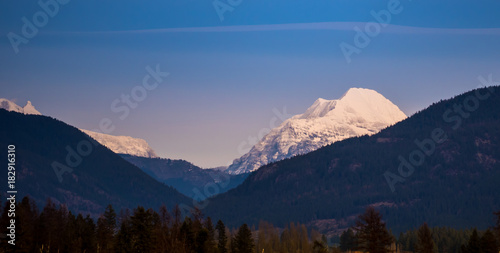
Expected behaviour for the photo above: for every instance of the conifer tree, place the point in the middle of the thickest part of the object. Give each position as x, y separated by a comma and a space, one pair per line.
244, 240
347, 240
106, 226
221, 237
201, 241
497, 227
489, 243
209, 226
474, 245
27, 216
425, 244
123, 239
371, 232
187, 235
142, 227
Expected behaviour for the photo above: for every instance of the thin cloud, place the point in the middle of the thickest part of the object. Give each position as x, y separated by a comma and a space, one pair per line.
335, 26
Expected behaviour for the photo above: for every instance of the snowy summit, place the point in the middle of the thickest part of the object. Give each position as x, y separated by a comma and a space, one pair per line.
11, 106
123, 144
358, 112
118, 144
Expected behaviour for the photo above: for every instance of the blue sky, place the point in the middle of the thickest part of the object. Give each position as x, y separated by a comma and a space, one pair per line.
227, 76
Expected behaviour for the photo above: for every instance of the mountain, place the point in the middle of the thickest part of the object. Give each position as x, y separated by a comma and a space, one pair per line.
123, 144
118, 144
190, 180
11, 106
55, 160
358, 112
440, 166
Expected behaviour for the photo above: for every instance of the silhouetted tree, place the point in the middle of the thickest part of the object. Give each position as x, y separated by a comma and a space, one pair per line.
124, 236
371, 232
27, 215
221, 237
244, 240
489, 242
474, 244
425, 244
497, 227
187, 235
201, 241
142, 227
163, 231
106, 226
347, 240
320, 246
209, 226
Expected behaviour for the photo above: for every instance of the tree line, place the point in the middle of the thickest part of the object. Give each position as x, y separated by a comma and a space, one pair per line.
371, 235
55, 229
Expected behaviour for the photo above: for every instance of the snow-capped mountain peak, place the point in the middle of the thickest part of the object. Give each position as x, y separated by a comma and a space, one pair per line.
358, 112
123, 144
11, 106
117, 144
30, 109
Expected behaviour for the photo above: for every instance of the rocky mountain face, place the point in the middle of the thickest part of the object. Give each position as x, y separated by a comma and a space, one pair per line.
358, 112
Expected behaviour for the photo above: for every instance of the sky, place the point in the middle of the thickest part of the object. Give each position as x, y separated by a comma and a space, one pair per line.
233, 66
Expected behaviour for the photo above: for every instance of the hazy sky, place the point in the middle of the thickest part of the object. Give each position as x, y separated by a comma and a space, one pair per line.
226, 82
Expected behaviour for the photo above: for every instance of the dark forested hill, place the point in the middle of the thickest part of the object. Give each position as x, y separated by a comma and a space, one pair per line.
442, 166
187, 178
58, 161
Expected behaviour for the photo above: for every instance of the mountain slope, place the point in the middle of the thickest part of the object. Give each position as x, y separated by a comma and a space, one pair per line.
187, 178
99, 177
358, 112
457, 184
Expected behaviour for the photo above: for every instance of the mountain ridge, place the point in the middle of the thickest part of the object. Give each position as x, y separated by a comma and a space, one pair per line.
94, 178
455, 185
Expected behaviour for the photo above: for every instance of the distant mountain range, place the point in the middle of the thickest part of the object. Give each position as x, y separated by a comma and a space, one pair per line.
55, 160
441, 166
185, 177
358, 112
190, 180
